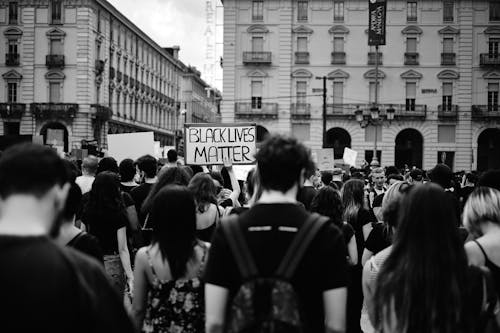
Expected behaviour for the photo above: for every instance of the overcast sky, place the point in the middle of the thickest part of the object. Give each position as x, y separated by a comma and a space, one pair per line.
171, 22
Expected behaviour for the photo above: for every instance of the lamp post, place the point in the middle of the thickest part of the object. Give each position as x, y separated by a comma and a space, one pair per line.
376, 120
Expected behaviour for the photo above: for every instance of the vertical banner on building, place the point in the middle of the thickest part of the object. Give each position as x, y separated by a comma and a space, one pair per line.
377, 17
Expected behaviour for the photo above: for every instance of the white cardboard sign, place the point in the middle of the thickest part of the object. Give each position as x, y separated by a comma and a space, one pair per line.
131, 145
210, 144
325, 159
350, 156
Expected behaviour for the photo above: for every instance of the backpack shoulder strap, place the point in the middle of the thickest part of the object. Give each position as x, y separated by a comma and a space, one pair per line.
299, 245
239, 247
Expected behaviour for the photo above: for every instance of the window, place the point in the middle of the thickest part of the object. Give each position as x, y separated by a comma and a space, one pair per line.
12, 46
338, 93
338, 44
447, 96
492, 96
301, 131
494, 10
493, 47
411, 45
13, 14
302, 44
448, 8
411, 11
448, 45
11, 127
446, 133
56, 46
338, 11
301, 92
411, 93
54, 92
371, 131
56, 12
372, 92
12, 92
257, 44
256, 94
258, 10
302, 8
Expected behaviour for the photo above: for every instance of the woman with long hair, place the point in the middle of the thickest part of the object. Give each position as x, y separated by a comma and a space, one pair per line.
482, 218
425, 284
327, 202
106, 218
167, 291
208, 212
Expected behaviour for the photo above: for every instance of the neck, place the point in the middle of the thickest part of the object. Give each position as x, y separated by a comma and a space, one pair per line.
490, 228
150, 180
273, 196
26, 215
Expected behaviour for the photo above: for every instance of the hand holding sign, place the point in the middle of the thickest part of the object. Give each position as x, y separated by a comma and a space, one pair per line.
228, 162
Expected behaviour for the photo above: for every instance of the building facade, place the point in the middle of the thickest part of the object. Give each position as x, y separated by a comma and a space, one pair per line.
439, 72
76, 70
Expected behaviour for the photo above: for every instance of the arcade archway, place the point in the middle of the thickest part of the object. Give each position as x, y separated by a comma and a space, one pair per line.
409, 149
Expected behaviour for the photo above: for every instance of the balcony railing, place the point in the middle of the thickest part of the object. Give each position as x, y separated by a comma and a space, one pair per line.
119, 76
111, 73
301, 57
489, 60
338, 58
132, 82
300, 110
257, 57
485, 112
266, 110
411, 58
419, 111
372, 58
344, 111
54, 60
448, 59
12, 59
12, 110
99, 66
54, 110
448, 112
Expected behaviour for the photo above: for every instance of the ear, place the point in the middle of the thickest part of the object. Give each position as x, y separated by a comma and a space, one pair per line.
302, 178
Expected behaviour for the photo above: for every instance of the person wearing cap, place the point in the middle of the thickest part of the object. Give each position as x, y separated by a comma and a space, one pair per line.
89, 169
416, 176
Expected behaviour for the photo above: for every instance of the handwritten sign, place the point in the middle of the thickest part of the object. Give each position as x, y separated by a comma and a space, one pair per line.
325, 159
210, 144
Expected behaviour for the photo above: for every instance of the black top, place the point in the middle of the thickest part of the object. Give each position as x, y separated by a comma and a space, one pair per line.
378, 239
494, 269
46, 288
364, 217
323, 266
139, 194
127, 188
103, 225
306, 196
347, 232
207, 233
464, 194
88, 244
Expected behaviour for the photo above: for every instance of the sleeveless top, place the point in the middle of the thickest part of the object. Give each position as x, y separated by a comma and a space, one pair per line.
175, 306
494, 269
207, 233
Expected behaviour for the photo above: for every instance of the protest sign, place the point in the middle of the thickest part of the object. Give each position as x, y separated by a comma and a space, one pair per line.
210, 144
158, 151
350, 156
325, 159
131, 145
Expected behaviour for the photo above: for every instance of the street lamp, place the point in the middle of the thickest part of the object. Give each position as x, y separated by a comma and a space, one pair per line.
375, 120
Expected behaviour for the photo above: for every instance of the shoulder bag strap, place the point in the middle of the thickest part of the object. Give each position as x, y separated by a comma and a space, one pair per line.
239, 247
299, 245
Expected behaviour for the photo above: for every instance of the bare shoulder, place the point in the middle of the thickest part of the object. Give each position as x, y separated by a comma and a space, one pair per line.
474, 253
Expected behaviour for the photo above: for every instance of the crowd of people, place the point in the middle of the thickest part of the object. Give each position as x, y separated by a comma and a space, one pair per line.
135, 246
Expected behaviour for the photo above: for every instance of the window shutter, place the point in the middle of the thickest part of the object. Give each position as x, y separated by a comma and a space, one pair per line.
448, 45
338, 44
338, 92
411, 45
447, 89
411, 90
55, 93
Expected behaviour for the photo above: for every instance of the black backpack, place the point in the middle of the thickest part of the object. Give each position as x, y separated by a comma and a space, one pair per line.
270, 304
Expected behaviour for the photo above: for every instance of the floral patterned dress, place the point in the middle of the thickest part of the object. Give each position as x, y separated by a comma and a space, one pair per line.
175, 306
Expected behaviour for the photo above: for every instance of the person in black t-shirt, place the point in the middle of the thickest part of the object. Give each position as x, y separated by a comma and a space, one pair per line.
127, 174
308, 191
44, 287
147, 167
269, 228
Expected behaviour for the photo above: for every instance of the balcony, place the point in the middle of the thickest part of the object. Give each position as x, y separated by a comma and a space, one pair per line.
111, 73
411, 58
266, 110
54, 61
448, 112
301, 57
372, 58
448, 59
99, 66
46, 111
485, 112
12, 110
12, 59
125, 79
419, 112
257, 57
338, 58
119, 76
300, 110
489, 60
343, 111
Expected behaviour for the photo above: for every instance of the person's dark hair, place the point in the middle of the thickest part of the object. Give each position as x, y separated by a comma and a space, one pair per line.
471, 177
171, 176
390, 170
31, 169
280, 162
327, 202
188, 170
441, 175
352, 198
105, 195
251, 182
72, 170
326, 177
427, 254
73, 202
148, 164
491, 179
127, 170
216, 175
107, 164
196, 169
203, 189
172, 156
174, 227
394, 176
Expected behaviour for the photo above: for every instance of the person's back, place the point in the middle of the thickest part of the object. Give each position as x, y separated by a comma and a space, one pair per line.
147, 168
89, 168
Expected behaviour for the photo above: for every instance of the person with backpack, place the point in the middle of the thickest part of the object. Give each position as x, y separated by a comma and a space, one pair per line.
276, 267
